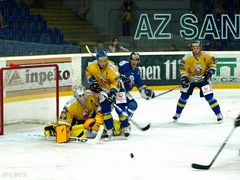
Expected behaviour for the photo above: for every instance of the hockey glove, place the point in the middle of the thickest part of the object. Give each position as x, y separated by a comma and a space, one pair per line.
50, 130
237, 121
185, 82
111, 98
147, 93
208, 74
94, 87
124, 78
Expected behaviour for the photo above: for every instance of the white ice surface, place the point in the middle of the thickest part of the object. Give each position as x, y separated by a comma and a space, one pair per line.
166, 151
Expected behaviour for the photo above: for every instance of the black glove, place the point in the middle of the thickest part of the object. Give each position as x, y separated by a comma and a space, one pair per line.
185, 82
94, 87
124, 78
111, 98
237, 121
147, 93
208, 74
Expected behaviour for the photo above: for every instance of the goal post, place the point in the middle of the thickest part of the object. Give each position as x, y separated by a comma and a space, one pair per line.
29, 94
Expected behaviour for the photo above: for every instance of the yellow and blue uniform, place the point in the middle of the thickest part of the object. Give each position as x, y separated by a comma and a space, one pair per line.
76, 112
106, 78
196, 70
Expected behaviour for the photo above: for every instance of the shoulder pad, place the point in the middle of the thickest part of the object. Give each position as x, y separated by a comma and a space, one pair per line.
92, 62
187, 55
70, 101
207, 53
113, 67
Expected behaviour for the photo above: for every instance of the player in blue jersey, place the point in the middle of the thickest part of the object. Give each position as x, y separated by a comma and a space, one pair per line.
131, 77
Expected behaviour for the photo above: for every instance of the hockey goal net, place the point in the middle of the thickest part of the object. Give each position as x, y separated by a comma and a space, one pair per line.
29, 94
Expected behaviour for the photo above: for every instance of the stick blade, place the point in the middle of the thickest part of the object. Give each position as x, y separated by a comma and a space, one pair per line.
199, 166
146, 127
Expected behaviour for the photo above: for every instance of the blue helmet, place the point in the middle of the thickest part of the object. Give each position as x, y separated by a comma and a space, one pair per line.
101, 55
196, 44
134, 55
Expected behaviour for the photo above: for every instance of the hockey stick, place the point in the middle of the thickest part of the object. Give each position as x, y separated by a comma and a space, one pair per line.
124, 113
206, 167
170, 90
135, 124
88, 50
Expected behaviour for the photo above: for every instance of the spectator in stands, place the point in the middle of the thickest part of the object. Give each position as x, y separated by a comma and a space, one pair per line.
115, 47
84, 7
99, 46
2, 25
127, 16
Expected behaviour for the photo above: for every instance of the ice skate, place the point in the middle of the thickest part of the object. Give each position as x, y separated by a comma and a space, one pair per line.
108, 135
126, 131
175, 117
219, 117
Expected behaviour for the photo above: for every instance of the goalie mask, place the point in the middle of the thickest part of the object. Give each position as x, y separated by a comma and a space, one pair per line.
79, 93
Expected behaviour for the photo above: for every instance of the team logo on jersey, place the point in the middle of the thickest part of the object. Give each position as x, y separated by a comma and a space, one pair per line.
198, 69
131, 82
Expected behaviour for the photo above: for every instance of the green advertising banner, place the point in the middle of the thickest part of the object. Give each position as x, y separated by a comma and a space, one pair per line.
156, 70
159, 69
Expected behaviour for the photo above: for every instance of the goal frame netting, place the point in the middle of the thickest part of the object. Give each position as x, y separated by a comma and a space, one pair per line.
16, 67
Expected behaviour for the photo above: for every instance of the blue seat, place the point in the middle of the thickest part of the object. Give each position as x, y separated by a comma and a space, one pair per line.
28, 37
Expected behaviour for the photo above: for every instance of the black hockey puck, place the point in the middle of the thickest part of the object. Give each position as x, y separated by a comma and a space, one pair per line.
131, 155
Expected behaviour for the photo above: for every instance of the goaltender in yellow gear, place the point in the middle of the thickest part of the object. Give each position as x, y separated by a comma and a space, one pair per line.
82, 106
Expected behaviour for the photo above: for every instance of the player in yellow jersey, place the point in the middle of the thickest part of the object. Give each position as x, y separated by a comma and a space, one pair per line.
103, 76
79, 113
196, 69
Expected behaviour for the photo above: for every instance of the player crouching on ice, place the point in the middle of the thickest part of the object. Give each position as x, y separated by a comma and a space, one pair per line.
79, 118
196, 69
131, 77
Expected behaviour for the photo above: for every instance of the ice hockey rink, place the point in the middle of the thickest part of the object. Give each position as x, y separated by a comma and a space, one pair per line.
165, 151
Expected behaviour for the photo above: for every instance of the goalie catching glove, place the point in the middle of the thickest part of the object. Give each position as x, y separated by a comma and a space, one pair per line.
147, 93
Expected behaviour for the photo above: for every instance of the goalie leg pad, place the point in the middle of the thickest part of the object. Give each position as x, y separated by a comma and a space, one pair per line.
117, 127
62, 134
78, 130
